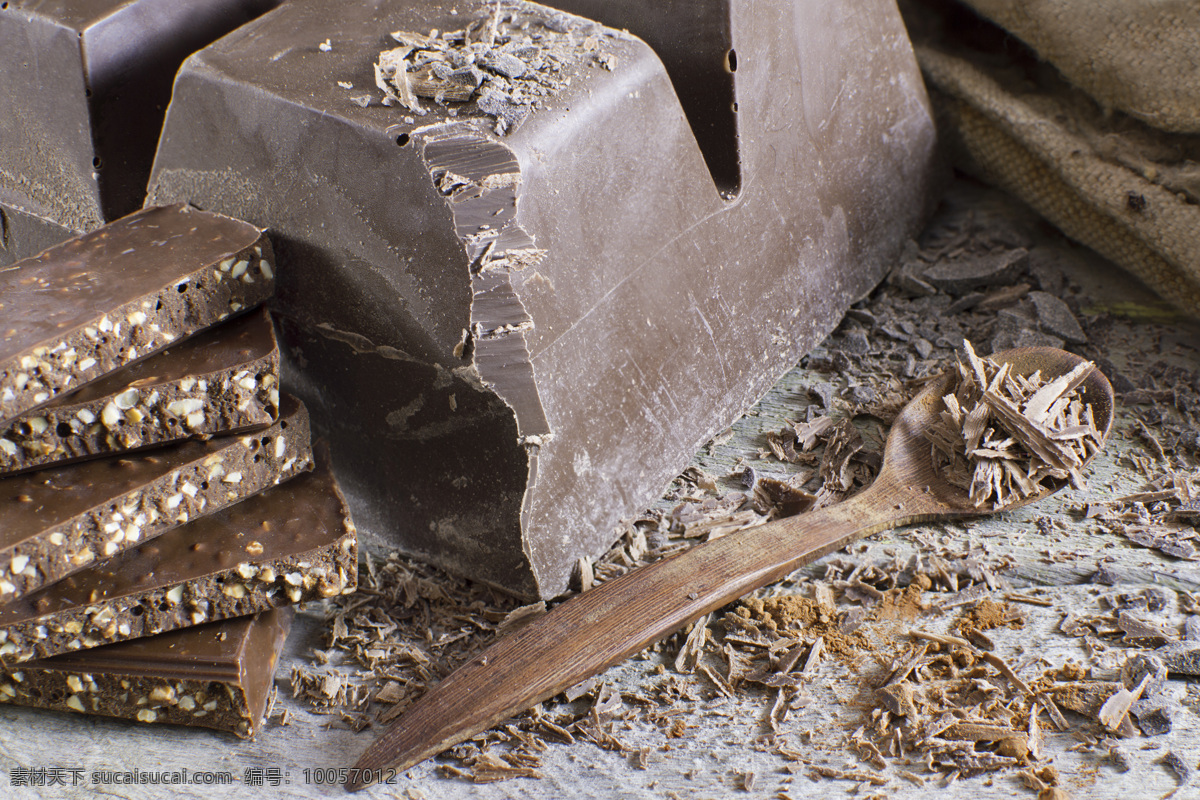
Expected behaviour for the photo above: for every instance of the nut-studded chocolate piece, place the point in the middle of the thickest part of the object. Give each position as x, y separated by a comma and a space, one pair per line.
221, 380
110, 298
292, 543
213, 676
57, 521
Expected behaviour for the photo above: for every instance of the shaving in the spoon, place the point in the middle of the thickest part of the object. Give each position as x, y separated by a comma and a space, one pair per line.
1005, 437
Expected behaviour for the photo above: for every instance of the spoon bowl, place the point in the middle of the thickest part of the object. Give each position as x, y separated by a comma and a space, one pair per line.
605, 625
907, 457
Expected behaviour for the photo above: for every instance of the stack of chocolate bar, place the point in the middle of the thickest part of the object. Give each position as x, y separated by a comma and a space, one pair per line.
155, 484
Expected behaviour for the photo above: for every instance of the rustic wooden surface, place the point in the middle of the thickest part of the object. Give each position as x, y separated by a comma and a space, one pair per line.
722, 740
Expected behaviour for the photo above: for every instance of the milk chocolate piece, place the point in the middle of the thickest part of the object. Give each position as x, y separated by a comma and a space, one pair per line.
221, 380
57, 521
112, 297
532, 333
290, 544
83, 85
217, 675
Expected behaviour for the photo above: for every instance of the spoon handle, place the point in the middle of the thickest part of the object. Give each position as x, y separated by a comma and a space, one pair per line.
610, 622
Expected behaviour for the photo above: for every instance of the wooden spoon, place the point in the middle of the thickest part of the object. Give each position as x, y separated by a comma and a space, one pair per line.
605, 625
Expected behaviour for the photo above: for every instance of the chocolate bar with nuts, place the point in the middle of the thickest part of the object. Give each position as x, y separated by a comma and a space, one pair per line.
57, 521
224, 379
292, 543
212, 676
110, 298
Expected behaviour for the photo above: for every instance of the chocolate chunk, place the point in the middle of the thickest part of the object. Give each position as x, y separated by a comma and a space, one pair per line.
487, 328
965, 303
1154, 720
1055, 317
222, 380
83, 85
112, 297
217, 675
961, 276
1181, 658
1045, 267
57, 521
290, 544
855, 342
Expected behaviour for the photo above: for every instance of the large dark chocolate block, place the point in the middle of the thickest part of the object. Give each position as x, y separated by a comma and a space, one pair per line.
292, 543
212, 676
57, 521
112, 297
84, 85
224, 379
515, 341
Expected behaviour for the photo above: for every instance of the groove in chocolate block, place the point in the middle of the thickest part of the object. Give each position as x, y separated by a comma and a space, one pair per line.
57, 521
110, 298
217, 675
292, 543
221, 380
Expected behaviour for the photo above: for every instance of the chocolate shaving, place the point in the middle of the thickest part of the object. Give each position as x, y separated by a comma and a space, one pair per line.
1002, 436
507, 63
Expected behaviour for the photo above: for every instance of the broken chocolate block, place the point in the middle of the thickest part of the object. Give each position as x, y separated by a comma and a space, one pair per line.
57, 521
83, 85
222, 380
212, 676
532, 327
112, 297
292, 543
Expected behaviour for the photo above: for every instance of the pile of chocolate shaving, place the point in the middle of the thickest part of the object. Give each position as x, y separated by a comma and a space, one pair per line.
505, 63
408, 626
1005, 437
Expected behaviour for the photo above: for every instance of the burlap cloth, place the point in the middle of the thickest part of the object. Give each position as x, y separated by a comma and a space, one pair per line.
1106, 145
